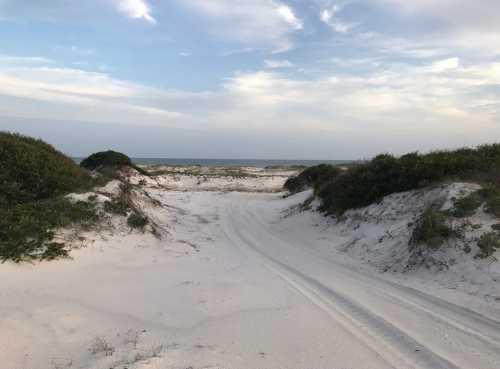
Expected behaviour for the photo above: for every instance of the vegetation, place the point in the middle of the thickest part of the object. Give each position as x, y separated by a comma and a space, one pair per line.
488, 244
366, 183
312, 177
32, 170
116, 206
120, 205
34, 177
106, 159
106, 162
27, 230
431, 229
136, 220
467, 206
491, 196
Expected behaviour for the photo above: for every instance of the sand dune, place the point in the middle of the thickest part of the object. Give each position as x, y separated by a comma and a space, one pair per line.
246, 280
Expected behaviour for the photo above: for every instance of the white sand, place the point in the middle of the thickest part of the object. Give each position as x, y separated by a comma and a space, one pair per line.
241, 281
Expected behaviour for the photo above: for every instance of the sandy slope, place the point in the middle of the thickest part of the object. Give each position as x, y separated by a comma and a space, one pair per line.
235, 284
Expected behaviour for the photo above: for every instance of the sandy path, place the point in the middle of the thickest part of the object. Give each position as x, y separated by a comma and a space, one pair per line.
406, 327
234, 286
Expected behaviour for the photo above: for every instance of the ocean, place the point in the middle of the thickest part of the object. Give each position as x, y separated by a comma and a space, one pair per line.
259, 163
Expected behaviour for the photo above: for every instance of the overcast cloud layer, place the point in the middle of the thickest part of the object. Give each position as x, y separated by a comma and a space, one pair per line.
252, 78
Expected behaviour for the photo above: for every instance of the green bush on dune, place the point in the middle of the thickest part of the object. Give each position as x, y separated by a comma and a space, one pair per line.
106, 159
34, 177
136, 220
312, 177
432, 229
27, 230
107, 162
367, 183
32, 170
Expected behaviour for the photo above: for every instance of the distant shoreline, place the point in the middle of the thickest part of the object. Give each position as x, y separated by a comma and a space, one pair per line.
259, 163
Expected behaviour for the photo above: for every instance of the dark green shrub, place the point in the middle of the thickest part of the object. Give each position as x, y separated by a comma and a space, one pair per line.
106, 162
116, 206
367, 183
136, 220
467, 206
27, 230
32, 170
491, 196
488, 244
311, 177
106, 159
120, 205
431, 229
33, 179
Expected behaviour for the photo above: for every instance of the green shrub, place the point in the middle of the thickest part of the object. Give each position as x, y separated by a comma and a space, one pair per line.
467, 206
136, 220
106, 162
106, 159
431, 229
367, 183
32, 170
27, 230
488, 244
491, 196
116, 206
311, 177
33, 179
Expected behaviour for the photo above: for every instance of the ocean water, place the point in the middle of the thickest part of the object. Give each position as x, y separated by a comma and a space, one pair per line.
259, 163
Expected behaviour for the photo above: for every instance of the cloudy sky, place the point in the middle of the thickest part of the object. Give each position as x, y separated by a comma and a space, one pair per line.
317, 79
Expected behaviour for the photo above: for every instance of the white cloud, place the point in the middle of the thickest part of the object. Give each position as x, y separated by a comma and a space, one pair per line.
326, 15
464, 24
390, 99
444, 65
444, 96
329, 17
265, 23
136, 9
275, 64
70, 94
23, 60
289, 16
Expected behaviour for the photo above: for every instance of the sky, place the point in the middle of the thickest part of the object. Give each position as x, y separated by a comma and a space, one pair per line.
284, 79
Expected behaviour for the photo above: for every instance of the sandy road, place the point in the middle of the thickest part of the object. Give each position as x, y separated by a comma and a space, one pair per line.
234, 285
405, 327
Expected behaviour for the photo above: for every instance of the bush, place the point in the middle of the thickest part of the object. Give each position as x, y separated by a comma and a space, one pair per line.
136, 220
105, 159
116, 206
488, 244
467, 206
367, 183
491, 196
431, 229
311, 177
26, 230
32, 170
33, 179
